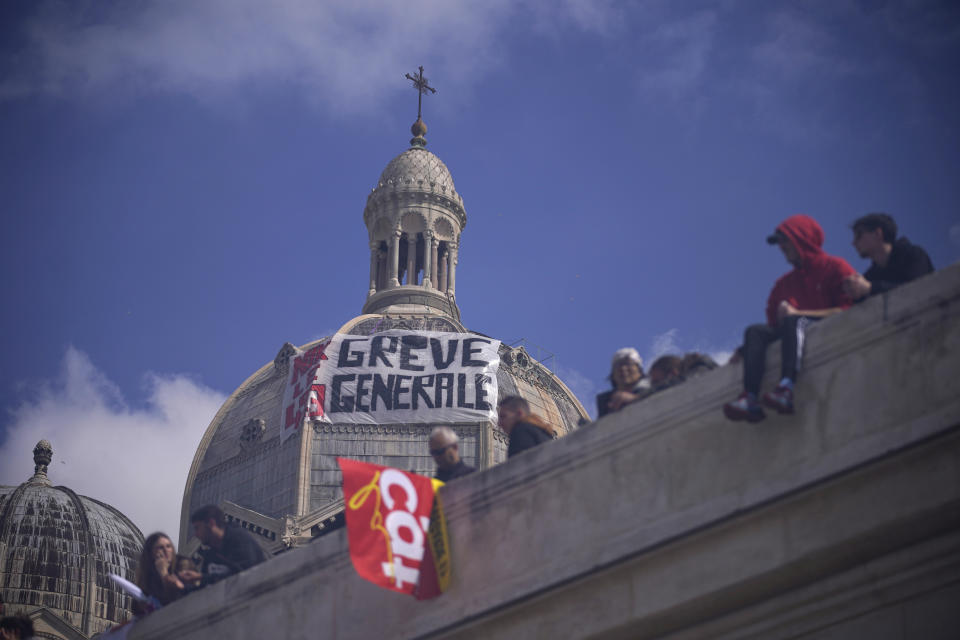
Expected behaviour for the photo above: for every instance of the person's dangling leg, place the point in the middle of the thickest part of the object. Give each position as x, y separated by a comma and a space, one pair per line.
755, 341
793, 329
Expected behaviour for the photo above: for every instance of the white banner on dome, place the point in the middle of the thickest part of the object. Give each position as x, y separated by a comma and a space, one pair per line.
394, 376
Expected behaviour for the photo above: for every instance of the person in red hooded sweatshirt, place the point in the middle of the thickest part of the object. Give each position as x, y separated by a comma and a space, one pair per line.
812, 290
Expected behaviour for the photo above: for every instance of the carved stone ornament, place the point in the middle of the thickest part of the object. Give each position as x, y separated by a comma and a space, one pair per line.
444, 229
291, 530
282, 361
253, 431
42, 455
515, 359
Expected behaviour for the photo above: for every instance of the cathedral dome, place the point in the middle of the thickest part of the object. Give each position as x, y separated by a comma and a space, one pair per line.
57, 547
286, 490
416, 168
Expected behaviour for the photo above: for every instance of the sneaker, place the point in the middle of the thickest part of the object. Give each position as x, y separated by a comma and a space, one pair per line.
780, 400
744, 408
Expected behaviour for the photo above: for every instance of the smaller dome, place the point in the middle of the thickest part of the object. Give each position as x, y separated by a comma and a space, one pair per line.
417, 169
57, 547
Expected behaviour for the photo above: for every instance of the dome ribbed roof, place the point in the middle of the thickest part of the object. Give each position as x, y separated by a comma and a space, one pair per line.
58, 548
417, 169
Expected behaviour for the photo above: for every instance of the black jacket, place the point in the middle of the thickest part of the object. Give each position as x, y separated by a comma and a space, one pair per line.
907, 262
458, 471
237, 552
641, 389
526, 435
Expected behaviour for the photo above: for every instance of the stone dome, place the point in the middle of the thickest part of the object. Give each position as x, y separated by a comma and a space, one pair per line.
283, 490
286, 490
417, 169
57, 547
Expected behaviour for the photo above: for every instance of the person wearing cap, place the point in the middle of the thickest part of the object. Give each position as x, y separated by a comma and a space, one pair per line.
629, 383
894, 261
445, 450
813, 290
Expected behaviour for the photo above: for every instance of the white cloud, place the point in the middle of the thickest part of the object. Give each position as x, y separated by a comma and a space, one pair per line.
677, 56
602, 17
669, 342
799, 45
341, 56
662, 344
720, 356
134, 459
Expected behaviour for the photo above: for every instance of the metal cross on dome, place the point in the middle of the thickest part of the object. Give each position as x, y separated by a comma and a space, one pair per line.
420, 84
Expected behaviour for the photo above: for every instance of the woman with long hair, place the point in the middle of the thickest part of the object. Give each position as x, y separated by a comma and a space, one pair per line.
158, 568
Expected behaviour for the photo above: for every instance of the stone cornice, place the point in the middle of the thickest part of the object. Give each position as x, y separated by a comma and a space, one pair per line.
378, 201
440, 303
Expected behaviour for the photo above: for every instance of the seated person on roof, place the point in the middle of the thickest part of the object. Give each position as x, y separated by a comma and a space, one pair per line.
629, 384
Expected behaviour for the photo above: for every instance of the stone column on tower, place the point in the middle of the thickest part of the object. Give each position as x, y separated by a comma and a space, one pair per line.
428, 250
393, 259
434, 246
381, 269
411, 258
373, 269
451, 278
442, 268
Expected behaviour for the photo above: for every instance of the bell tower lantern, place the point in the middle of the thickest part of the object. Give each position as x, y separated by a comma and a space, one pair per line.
414, 217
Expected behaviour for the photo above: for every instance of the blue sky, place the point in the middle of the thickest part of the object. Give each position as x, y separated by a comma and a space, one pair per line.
182, 185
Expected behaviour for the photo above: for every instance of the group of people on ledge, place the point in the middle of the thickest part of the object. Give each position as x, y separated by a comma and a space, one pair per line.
524, 429
164, 576
819, 285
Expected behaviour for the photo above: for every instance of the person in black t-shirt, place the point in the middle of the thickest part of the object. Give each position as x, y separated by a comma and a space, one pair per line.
894, 261
227, 549
526, 430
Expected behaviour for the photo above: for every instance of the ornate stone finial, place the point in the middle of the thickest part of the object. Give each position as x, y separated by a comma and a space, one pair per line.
42, 455
420, 83
419, 129
282, 362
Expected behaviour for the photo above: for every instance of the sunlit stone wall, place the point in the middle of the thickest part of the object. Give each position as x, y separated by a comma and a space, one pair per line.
667, 521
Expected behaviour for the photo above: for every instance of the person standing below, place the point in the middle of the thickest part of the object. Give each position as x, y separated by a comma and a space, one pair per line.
445, 449
227, 550
894, 262
813, 290
526, 430
629, 383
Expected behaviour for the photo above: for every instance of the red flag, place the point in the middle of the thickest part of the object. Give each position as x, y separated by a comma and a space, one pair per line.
388, 517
